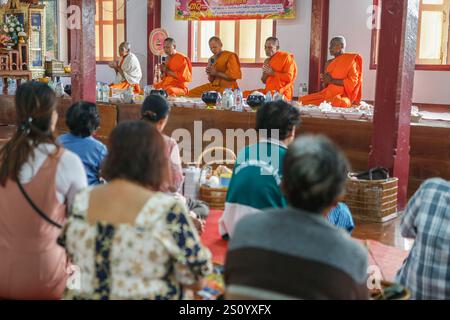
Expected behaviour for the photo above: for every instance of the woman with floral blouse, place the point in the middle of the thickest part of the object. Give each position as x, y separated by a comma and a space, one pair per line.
126, 239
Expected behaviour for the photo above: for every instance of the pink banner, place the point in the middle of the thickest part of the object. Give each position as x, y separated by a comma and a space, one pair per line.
234, 9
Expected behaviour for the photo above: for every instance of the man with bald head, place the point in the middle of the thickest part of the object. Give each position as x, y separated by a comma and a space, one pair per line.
128, 69
176, 71
279, 70
342, 78
223, 70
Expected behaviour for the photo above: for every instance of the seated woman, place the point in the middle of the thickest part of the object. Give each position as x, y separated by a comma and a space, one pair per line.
35, 171
294, 252
155, 109
129, 240
426, 271
83, 119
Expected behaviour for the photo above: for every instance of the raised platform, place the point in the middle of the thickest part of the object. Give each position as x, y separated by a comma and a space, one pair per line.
430, 139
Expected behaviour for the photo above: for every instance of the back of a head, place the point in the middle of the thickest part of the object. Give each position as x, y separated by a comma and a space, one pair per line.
136, 153
82, 118
35, 106
314, 174
277, 115
155, 108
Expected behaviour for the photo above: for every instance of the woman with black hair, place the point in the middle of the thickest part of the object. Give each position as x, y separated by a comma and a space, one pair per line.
38, 182
155, 110
83, 119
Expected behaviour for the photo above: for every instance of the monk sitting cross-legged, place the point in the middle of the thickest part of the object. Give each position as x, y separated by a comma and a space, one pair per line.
342, 80
223, 70
279, 70
177, 71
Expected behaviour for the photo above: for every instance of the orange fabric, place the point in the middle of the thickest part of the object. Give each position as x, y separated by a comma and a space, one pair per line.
285, 68
347, 67
126, 85
182, 67
228, 63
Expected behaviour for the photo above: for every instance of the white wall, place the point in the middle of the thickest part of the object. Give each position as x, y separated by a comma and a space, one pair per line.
136, 35
350, 20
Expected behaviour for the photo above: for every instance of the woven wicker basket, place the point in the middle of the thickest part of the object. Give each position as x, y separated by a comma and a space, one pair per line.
215, 197
372, 200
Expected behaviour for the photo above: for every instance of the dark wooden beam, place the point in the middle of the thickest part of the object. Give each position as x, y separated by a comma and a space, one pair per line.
394, 90
153, 22
82, 53
320, 13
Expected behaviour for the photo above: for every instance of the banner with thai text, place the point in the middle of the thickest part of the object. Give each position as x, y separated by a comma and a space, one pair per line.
234, 9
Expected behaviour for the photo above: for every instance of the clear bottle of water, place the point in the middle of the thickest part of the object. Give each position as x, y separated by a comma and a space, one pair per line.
219, 102
12, 87
268, 97
238, 100
276, 96
302, 90
105, 93
98, 91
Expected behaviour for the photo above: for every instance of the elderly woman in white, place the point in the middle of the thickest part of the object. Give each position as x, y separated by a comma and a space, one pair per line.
128, 70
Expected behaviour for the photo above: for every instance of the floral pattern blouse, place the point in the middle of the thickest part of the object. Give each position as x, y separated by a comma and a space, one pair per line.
150, 259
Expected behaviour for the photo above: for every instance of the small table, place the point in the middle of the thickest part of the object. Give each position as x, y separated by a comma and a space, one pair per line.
18, 75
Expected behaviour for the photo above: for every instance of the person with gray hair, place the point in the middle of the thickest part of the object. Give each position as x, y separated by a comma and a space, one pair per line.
294, 252
342, 78
128, 69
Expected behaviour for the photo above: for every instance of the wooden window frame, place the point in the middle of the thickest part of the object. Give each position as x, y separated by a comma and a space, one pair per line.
244, 64
100, 23
428, 67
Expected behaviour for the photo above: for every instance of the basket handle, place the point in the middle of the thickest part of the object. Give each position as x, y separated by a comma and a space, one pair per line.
229, 151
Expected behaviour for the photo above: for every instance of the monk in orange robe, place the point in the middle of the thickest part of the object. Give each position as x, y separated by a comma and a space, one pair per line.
177, 71
223, 70
342, 80
279, 70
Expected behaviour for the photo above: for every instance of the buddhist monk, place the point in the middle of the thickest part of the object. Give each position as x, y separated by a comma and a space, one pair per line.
223, 70
128, 69
176, 71
342, 78
279, 70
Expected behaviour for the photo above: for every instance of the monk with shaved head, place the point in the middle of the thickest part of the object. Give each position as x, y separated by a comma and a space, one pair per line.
223, 70
279, 70
176, 71
342, 78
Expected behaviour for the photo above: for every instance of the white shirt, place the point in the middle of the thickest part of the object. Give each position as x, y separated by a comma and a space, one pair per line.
131, 69
70, 174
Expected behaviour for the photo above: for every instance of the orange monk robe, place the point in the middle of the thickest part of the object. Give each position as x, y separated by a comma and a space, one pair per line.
347, 67
182, 67
285, 68
228, 63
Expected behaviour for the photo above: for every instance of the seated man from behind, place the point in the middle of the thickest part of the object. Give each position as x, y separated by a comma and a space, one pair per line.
295, 253
426, 271
255, 184
83, 119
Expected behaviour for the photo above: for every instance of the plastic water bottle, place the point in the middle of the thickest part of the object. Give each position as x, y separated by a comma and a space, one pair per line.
12, 87
105, 93
276, 96
268, 97
302, 90
98, 90
238, 100
1, 86
219, 102
59, 89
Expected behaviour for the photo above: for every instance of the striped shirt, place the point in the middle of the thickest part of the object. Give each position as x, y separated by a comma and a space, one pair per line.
426, 270
293, 254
